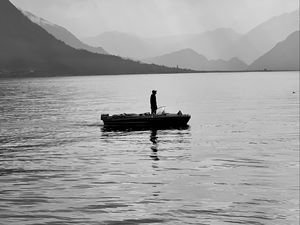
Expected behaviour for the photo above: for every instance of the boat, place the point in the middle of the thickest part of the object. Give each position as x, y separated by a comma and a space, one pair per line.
145, 120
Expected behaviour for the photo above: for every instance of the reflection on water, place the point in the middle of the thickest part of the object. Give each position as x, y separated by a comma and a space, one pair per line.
237, 163
154, 147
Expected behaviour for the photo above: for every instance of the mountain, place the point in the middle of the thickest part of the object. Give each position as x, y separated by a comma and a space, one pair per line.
233, 64
122, 44
62, 34
225, 43
26, 47
222, 43
210, 43
188, 58
284, 56
263, 37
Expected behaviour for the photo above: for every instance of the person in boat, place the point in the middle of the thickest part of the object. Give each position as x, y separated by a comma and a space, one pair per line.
153, 102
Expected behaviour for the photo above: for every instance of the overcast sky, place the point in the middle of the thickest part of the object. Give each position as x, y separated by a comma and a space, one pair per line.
155, 17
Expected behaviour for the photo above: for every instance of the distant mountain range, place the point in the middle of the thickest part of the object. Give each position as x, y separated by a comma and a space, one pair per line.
188, 58
210, 43
284, 56
62, 34
223, 43
28, 48
33, 46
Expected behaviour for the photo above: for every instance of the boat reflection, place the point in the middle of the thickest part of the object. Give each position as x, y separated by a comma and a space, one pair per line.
179, 138
154, 146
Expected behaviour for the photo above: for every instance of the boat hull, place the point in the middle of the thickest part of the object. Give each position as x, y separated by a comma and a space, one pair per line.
145, 121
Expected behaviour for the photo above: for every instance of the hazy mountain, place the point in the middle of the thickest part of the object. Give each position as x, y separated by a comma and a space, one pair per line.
188, 58
122, 44
62, 34
25, 46
233, 64
210, 43
263, 37
284, 56
225, 43
222, 43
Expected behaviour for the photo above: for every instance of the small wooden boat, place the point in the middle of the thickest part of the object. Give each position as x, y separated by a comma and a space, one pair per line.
145, 120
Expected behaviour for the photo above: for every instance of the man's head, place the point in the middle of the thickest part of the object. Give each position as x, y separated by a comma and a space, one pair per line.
154, 91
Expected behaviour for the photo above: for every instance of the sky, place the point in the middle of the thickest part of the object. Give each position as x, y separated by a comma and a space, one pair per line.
154, 18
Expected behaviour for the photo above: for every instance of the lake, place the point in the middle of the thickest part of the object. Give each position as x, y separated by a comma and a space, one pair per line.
236, 163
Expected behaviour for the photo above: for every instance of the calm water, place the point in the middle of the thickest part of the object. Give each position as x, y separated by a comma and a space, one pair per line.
237, 163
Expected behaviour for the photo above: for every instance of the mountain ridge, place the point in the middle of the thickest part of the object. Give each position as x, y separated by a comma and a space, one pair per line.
62, 34
263, 37
25, 46
209, 43
188, 58
283, 56
220, 43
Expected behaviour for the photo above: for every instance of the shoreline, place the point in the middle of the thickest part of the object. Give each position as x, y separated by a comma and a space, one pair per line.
21, 75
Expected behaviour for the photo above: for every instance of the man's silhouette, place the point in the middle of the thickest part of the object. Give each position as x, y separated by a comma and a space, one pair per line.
153, 102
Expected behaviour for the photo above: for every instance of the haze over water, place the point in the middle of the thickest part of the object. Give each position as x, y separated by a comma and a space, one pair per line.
238, 162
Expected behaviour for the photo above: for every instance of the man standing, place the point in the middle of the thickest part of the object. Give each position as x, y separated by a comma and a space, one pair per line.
153, 102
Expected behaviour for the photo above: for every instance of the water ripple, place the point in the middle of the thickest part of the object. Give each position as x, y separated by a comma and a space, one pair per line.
236, 163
